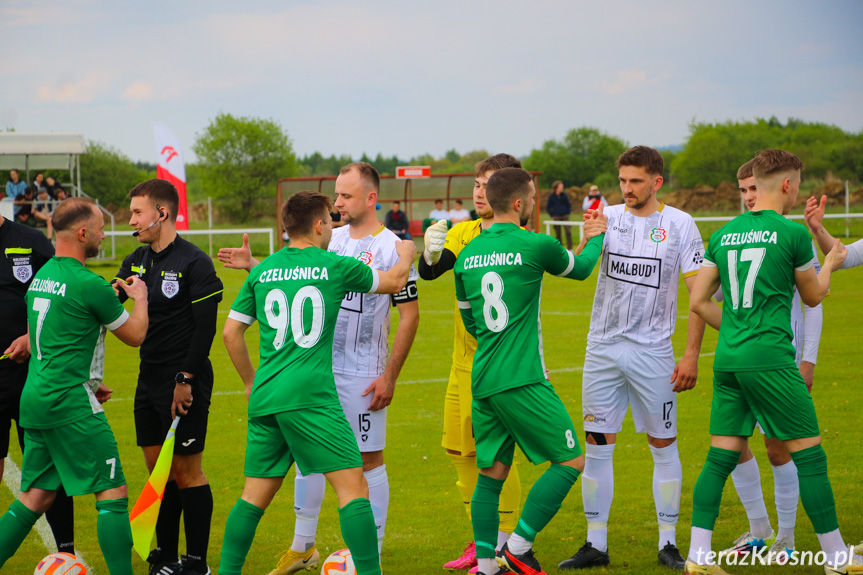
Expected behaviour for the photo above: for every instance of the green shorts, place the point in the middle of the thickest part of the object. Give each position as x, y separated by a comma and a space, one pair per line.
777, 399
81, 456
532, 416
319, 439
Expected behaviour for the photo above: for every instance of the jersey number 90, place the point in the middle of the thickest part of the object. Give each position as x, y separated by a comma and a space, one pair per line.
280, 315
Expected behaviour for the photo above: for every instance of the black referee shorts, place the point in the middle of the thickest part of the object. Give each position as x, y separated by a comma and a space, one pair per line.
11, 385
153, 398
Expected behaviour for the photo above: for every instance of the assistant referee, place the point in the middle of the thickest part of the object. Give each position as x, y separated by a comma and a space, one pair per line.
176, 377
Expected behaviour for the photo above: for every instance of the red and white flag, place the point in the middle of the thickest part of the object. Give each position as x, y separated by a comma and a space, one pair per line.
171, 167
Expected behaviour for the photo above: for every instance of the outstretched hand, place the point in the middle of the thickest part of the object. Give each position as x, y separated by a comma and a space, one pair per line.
237, 258
814, 212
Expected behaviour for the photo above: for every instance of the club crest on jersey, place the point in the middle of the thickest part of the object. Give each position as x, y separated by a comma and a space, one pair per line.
170, 284
22, 270
658, 235
365, 257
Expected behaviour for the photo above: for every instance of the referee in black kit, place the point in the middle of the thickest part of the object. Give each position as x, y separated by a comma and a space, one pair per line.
176, 376
24, 251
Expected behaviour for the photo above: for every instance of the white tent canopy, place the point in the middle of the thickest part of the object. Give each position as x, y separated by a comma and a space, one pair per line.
40, 151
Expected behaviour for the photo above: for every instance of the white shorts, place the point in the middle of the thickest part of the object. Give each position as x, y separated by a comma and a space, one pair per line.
620, 375
369, 427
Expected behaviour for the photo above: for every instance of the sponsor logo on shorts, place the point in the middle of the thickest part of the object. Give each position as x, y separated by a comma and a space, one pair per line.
635, 270
189, 442
592, 418
658, 235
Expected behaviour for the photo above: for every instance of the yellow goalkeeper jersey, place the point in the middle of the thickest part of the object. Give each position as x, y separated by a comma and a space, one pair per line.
465, 344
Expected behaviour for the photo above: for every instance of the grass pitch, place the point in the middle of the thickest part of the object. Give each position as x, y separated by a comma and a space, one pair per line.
427, 524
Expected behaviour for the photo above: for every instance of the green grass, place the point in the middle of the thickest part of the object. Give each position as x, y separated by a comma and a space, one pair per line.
427, 524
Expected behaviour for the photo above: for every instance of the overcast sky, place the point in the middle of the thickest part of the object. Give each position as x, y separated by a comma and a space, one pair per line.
413, 77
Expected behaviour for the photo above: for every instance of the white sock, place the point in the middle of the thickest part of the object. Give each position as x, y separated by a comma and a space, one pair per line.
518, 545
747, 481
831, 544
786, 492
308, 497
487, 566
379, 496
700, 545
502, 537
667, 479
597, 492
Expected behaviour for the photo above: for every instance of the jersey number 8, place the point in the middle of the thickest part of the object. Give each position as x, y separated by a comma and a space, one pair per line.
280, 315
494, 309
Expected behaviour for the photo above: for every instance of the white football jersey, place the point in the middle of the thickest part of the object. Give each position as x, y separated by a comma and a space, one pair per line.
361, 340
636, 292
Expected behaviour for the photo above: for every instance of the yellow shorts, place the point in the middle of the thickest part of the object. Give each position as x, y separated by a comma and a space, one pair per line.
457, 421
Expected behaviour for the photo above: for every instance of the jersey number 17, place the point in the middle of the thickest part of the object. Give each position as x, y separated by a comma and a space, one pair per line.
754, 255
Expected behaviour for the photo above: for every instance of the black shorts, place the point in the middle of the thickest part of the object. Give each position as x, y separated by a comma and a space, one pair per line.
11, 385
153, 398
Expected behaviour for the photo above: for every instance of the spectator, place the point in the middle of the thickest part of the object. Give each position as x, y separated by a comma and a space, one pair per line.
15, 187
438, 213
559, 208
397, 221
39, 182
593, 199
52, 186
24, 213
458, 214
60, 195
42, 210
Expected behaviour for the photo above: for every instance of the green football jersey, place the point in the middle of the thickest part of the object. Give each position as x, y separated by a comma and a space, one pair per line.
67, 307
498, 280
295, 295
756, 254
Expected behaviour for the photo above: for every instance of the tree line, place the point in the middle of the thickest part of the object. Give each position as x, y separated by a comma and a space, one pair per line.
240, 159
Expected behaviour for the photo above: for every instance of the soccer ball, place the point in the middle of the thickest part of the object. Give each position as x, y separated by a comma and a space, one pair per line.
61, 564
339, 563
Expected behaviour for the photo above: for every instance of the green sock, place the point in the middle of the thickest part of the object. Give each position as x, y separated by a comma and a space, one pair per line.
708, 489
14, 527
239, 533
545, 499
815, 490
361, 536
483, 515
115, 535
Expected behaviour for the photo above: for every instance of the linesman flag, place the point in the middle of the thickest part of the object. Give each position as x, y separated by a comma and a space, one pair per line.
146, 510
171, 167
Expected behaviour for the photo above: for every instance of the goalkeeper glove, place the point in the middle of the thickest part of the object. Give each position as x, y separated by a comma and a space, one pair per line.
435, 238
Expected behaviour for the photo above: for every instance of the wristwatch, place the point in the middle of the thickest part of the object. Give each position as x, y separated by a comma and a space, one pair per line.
181, 378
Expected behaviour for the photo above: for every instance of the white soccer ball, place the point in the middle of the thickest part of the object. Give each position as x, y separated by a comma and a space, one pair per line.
61, 564
339, 563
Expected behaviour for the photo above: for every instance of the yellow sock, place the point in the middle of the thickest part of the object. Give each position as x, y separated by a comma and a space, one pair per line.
510, 501
467, 472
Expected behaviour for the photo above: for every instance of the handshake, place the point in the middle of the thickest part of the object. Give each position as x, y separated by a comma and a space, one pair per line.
595, 222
